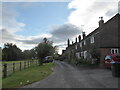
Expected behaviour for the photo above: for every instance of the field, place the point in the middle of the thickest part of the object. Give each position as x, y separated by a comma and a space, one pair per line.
14, 66
27, 76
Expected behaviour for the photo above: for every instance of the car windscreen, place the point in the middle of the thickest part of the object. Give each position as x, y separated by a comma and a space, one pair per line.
107, 57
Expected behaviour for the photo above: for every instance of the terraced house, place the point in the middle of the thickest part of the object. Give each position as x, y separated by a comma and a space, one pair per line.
102, 41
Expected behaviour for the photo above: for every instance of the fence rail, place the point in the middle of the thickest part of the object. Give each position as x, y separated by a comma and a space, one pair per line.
10, 68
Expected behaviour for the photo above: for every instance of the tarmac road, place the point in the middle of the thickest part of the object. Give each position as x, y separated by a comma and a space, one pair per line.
67, 76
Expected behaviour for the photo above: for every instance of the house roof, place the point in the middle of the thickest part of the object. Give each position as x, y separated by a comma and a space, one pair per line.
97, 29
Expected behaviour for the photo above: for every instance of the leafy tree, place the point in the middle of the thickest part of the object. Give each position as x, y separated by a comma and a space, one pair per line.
95, 53
29, 54
26, 54
44, 49
11, 52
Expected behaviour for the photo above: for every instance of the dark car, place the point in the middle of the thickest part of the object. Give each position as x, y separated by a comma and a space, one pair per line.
48, 59
111, 58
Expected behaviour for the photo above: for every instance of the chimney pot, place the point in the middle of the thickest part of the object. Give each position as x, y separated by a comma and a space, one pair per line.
79, 38
72, 42
101, 22
76, 39
83, 33
68, 42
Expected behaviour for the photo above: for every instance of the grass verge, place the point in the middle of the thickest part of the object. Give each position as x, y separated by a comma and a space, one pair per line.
27, 76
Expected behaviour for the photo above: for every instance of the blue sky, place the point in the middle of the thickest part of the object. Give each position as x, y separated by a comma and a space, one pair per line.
40, 16
27, 23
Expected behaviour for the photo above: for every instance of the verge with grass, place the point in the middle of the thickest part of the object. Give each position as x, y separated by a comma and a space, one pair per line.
27, 76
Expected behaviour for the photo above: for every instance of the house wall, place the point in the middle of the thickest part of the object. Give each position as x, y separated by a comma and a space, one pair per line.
109, 33
118, 31
105, 37
104, 52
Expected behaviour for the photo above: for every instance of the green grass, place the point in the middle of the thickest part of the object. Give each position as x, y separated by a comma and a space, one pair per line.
32, 74
17, 65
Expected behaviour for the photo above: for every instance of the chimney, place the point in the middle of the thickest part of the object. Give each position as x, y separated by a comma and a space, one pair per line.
101, 22
76, 39
68, 42
79, 38
72, 42
83, 34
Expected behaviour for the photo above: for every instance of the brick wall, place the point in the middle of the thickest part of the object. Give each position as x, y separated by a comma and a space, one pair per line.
103, 53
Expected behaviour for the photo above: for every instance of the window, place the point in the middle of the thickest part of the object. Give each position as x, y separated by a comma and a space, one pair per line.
84, 42
114, 51
85, 54
78, 55
82, 53
80, 44
92, 39
75, 46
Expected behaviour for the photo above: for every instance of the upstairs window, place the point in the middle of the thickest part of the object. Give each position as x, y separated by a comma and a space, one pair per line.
76, 47
92, 39
80, 44
84, 42
114, 51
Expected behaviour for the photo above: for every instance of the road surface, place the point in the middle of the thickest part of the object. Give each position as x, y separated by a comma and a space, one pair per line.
67, 76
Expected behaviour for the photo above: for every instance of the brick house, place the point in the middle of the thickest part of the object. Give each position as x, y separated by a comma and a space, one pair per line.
105, 39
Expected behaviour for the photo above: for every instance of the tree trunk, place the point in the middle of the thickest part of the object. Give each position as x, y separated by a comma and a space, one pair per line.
40, 61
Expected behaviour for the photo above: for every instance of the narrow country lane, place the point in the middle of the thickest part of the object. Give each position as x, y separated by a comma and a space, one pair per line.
68, 76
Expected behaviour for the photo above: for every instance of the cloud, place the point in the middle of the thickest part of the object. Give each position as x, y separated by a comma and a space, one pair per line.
36, 0
119, 6
63, 32
7, 36
9, 19
33, 40
87, 12
59, 34
22, 41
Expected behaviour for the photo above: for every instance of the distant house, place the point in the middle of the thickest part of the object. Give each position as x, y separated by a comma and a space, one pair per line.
103, 40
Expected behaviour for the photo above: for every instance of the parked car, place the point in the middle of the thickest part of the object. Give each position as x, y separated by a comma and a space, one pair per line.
111, 58
48, 59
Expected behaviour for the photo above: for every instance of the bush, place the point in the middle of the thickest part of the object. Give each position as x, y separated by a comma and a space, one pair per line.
80, 61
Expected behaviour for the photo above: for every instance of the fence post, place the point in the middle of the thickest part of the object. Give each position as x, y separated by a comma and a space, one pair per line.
31, 62
13, 67
20, 66
36, 62
28, 63
24, 64
5, 71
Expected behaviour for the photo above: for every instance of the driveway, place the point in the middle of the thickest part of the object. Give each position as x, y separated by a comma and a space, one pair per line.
67, 76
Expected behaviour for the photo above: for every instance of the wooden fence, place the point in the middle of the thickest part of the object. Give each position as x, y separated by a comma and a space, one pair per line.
10, 68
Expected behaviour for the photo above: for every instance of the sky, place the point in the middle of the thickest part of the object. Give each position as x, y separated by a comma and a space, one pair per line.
26, 23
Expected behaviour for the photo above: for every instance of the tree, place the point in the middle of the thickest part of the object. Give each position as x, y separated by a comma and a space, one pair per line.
44, 49
26, 54
11, 52
95, 54
29, 54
